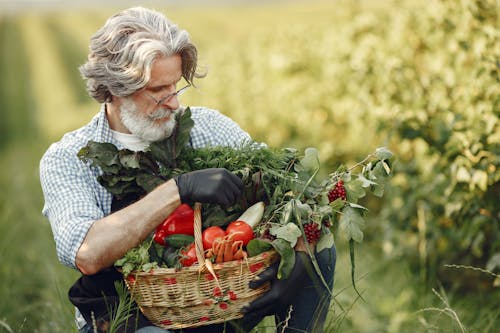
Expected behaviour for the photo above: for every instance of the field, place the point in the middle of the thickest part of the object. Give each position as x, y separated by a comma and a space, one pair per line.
343, 76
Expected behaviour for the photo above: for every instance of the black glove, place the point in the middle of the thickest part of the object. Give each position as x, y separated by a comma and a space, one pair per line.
215, 185
282, 291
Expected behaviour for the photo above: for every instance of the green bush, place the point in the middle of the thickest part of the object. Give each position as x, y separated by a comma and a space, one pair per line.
441, 84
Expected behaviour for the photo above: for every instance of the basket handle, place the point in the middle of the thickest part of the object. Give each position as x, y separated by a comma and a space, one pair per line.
198, 240
203, 264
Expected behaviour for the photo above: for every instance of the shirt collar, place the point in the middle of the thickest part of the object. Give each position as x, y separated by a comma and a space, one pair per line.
103, 132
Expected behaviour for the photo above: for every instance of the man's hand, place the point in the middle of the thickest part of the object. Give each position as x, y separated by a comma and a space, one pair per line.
215, 185
282, 291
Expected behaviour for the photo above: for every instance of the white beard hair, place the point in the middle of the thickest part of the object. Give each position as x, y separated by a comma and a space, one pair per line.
143, 126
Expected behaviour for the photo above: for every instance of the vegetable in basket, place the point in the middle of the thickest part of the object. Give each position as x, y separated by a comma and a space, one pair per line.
180, 221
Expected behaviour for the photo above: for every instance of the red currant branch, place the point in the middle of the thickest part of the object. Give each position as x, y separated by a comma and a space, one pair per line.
362, 162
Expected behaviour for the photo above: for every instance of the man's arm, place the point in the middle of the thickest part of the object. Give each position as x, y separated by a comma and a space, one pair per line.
109, 238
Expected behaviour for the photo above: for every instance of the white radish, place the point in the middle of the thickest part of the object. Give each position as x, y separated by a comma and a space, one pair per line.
253, 214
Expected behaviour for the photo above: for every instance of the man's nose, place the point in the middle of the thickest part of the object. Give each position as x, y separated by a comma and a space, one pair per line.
172, 103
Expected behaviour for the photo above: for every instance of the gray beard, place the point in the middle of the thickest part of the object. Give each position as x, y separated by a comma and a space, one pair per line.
144, 126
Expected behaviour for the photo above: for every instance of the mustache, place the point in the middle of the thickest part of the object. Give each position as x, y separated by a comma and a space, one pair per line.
162, 113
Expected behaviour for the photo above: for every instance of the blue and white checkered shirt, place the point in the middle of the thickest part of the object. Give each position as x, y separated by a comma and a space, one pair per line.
74, 199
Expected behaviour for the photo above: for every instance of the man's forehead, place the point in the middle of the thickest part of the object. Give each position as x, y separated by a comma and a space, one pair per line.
165, 70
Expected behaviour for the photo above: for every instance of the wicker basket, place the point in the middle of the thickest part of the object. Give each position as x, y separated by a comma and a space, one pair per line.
192, 296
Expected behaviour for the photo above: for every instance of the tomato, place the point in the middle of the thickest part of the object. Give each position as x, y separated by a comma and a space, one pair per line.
210, 234
188, 256
241, 230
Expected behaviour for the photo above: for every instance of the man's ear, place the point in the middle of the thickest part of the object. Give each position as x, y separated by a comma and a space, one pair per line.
113, 114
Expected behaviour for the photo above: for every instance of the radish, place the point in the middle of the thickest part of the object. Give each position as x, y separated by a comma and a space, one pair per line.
253, 215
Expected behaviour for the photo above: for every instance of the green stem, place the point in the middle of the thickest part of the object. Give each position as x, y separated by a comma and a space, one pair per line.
351, 252
361, 163
308, 183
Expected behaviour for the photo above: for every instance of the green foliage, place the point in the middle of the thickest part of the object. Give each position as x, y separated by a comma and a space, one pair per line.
292, 193
444, 92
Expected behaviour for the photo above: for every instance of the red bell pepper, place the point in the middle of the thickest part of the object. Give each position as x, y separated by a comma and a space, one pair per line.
180, 221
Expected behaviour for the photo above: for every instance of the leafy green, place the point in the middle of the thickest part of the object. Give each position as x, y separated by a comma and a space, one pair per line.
287, 255
257, 246
137, 259
352, 224
326, 241
168, 150
289, 232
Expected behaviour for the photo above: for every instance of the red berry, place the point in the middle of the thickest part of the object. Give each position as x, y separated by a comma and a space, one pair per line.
337, 192
312, 231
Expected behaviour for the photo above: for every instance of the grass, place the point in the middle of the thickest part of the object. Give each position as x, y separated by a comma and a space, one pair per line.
33, 285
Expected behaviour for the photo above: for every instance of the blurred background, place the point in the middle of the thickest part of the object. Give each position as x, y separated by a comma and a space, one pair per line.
421, 78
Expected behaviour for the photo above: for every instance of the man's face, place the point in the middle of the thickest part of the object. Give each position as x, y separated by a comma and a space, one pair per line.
150, 112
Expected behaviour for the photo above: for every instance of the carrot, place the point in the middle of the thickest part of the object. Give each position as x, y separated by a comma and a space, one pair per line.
237, 245
219, 252
216, 246
240, 254
209, 253
228, 251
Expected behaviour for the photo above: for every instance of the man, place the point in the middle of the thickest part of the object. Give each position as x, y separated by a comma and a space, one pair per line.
135, 63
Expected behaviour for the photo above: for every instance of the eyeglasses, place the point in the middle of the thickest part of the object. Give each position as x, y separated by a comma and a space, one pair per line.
169, 96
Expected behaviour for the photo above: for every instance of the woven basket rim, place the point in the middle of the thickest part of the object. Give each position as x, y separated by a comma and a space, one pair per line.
196, 267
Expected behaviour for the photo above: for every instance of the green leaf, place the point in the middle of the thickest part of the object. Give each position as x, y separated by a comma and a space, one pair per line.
354, 190
287, 212
382, 153
148, 182
378, 190
257, 246
365, 182
167, 150
351, 224
353, 205
162, 152
184, 126
311, 159
326, 241
337, 204
101, 154
129, 159
287, 254
379, 172
289, 232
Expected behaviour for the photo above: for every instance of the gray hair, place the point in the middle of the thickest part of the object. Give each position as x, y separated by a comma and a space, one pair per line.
123, 50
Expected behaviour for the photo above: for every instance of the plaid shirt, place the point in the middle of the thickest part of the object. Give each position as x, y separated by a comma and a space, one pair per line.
74, 199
